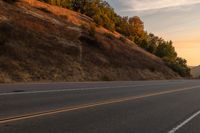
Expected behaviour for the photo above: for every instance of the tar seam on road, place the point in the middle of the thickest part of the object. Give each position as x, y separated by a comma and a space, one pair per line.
67, 90
184, 122
111, 101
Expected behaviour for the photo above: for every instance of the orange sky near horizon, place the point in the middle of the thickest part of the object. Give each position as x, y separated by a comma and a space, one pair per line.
190, 51
177, 20
187, 44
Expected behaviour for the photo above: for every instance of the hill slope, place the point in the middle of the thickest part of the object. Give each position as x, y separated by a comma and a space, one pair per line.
40, 42
195, 71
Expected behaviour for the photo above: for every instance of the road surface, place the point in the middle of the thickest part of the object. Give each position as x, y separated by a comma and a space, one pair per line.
171, 106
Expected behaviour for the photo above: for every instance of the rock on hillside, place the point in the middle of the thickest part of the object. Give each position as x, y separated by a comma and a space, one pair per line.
40, 42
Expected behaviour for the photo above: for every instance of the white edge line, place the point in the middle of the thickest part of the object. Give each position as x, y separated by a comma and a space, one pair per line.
66, 90
184, 122
99, 104
80, 89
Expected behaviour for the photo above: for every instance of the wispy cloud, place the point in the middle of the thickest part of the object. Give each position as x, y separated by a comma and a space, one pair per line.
176, 20
143, 5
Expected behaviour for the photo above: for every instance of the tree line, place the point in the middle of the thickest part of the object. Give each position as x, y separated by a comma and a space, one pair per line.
131, 27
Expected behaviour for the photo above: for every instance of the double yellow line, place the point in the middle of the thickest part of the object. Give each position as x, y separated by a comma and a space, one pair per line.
85, 106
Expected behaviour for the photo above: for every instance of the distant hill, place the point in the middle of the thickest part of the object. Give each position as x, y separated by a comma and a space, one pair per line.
195, 71
41, 42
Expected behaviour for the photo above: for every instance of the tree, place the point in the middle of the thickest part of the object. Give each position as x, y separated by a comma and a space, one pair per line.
153, 42
166, 50
179, 66
80, 5
138, 26
66, 4
132, 28
123, 27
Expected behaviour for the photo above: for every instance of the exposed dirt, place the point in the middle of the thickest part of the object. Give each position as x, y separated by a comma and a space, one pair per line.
40, 42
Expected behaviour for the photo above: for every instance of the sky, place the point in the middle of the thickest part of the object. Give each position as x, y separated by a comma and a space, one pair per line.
176, 20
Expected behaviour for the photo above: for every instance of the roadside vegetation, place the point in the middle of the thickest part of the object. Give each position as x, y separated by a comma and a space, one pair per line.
131, 28
10, 1
41, 42
44, 9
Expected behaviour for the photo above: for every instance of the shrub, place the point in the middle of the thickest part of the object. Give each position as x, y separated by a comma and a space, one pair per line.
122, 38
152, 69
92, 30
179, 66
90, 41
44, 9
5, 30
105, 78
2, 39
109, 35
83, 26
10, 1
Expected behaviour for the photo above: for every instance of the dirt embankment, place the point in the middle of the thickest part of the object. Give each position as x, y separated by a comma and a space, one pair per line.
40, 42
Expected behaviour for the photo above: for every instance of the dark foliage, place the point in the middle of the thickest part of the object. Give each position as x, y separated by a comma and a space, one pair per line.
44, 9
132, 28
10, 1
109, 35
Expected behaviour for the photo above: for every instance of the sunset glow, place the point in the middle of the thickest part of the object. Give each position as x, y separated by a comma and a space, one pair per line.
173, 20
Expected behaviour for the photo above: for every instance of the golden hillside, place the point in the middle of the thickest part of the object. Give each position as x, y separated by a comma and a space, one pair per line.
41, 42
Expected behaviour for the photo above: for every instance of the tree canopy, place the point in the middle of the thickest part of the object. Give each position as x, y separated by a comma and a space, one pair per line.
133, 28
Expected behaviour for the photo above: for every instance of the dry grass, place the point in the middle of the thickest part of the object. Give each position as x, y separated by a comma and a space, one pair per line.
40, 46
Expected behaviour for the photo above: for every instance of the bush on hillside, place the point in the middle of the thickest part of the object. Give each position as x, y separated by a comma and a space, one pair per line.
10, 1
5, 31
122, 38
133, 28
2, 39
105, 78
92, 30
44, 9
109, 35
83, 26
179, 65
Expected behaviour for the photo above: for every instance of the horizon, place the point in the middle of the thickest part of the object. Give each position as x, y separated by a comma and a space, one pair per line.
177, 21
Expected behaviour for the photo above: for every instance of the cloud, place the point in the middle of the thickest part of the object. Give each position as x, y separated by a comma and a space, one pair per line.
144, 5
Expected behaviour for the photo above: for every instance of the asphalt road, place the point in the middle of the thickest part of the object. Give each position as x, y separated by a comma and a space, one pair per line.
101, 107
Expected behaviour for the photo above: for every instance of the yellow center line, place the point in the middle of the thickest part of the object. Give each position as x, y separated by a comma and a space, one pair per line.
84, 106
